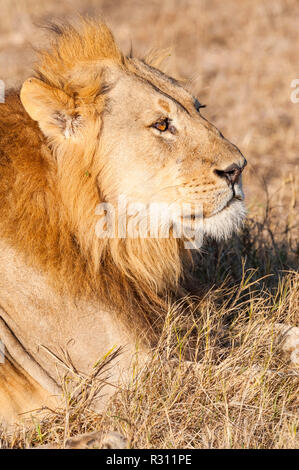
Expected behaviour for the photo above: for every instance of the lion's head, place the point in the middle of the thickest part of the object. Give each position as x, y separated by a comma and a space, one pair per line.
119, 127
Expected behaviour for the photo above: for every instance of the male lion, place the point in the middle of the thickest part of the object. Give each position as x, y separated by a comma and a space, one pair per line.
90, 127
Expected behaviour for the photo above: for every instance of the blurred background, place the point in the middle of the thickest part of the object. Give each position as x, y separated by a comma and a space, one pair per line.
239, 59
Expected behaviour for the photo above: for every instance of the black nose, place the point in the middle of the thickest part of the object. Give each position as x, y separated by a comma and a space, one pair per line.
231, 173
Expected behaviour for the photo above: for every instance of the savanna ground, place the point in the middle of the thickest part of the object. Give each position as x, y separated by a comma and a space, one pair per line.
241, 58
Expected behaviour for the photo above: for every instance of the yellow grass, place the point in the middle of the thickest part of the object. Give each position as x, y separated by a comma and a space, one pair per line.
241, 57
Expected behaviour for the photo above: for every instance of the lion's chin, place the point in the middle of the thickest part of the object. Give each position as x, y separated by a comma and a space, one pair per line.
222, 225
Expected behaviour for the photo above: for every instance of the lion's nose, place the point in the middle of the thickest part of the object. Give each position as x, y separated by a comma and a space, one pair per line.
231, 173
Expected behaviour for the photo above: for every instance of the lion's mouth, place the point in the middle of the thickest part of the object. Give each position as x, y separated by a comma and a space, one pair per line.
234, 200
196, 216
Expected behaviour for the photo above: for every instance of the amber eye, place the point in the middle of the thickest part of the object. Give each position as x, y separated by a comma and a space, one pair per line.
162, 126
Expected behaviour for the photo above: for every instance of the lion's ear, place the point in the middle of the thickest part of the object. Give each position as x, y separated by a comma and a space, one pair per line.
51, 107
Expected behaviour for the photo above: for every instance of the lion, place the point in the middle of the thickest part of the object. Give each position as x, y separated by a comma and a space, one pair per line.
89, 128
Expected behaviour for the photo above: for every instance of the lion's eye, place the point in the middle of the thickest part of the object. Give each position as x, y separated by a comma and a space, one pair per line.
162, 125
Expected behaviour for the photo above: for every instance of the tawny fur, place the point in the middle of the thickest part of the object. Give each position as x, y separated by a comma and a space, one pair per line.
54, 171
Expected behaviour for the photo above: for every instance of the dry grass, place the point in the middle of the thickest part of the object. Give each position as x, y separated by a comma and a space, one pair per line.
242, 393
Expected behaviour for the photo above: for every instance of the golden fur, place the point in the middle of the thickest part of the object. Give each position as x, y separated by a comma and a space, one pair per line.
61, 145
